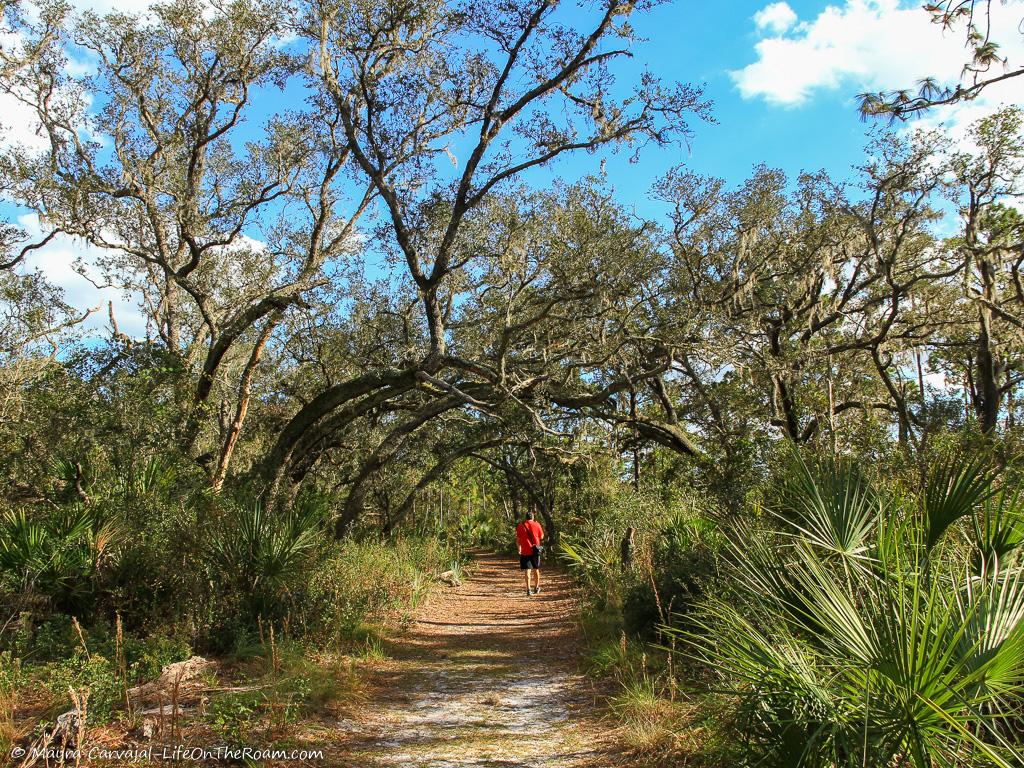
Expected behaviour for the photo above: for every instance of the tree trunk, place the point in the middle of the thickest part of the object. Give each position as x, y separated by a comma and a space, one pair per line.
986, 402
379, 385
786, 406
242, 408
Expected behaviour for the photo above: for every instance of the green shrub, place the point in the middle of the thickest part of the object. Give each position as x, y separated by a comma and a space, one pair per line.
360, 582
861, 629
55, 553
97, 674
55, 639
51, 639
482, 529
683, 562
259, 558
232, 717
595, 559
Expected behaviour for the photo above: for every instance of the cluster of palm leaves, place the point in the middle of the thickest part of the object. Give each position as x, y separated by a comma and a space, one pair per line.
56, 553
872, 629
54, 556
593, 558
261, 554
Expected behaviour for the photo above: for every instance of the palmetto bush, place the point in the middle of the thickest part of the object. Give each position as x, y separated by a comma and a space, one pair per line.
55, 555
59, 552
867, 629
594, 561
261, 557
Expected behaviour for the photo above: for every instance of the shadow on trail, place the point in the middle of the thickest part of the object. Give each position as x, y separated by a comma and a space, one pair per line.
482, 665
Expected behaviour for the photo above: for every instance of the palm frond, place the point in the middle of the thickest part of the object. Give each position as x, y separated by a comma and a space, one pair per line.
954, 489
834, 509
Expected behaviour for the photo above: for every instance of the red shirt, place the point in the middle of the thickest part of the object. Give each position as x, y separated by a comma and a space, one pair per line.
529, 535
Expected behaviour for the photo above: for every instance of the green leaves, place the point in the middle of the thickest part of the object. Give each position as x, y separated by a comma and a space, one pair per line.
835, 510
261, 552
593, 560
55, 554
998, 529
953, 490
864, 643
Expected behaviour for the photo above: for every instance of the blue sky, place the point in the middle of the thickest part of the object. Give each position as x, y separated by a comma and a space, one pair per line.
783, 77
704, 43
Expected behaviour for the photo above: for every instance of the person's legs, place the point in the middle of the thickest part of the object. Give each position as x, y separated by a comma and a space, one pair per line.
536, 579
526, 573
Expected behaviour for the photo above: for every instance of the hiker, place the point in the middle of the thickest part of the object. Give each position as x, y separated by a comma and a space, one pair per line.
529, 534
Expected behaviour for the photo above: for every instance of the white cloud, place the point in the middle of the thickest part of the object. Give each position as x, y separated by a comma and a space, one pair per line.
106, 6
62, 262
63, 259
867, 45
777, 18
18, 124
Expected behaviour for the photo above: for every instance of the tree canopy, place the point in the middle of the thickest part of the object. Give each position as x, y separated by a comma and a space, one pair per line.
365, 287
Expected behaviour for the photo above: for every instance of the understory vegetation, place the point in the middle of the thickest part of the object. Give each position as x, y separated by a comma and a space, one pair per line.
849, 614
290, 613
356, 323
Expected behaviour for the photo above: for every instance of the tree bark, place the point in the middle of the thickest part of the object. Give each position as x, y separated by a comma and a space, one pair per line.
242, 407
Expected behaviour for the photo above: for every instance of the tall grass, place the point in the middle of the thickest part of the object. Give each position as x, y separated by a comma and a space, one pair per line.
359, 583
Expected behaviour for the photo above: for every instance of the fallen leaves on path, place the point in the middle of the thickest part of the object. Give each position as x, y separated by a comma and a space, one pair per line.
485, 676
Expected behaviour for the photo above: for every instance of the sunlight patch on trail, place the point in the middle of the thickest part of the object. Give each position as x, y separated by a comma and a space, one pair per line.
469, 688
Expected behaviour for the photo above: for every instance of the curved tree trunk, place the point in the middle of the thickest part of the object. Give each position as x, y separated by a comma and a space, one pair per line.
386, 451
383, 384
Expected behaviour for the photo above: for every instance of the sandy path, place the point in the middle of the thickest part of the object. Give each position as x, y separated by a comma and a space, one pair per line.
485, 676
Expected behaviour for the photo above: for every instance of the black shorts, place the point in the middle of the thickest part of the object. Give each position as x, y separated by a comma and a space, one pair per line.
529, 561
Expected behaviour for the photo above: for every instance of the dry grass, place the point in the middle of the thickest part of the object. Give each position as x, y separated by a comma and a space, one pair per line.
8, 732
659, 731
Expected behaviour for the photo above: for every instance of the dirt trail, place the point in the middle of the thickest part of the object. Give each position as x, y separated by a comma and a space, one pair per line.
485, 676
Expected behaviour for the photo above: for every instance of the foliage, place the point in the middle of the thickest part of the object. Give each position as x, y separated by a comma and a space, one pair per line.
58, 556
232, 717
857, 629
261, 555
98, 674
353, 362
595, 562
357, 583
684, 567
482, 529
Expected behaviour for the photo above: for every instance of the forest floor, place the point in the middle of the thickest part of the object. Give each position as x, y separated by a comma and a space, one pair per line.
484, 676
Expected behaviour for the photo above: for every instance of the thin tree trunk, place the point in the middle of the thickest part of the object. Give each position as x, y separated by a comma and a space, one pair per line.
636, 447
832, 409
786, 405
1011, 420
242, 408
897, 395
920, 376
